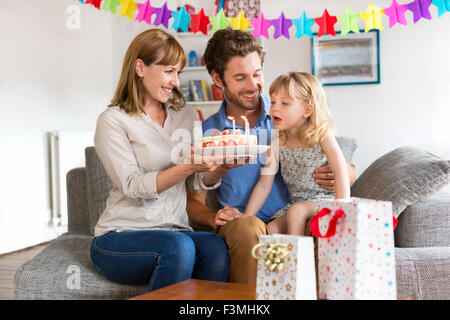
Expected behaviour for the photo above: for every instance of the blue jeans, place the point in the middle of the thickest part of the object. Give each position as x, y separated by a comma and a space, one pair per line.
160, 258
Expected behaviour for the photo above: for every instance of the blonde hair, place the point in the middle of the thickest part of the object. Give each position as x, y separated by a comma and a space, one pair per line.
130, 93
304, 86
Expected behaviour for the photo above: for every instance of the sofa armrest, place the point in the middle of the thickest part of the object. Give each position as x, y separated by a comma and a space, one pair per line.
425, 223
77, 204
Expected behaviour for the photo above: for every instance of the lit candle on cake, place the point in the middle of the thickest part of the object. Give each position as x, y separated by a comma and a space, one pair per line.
247, 126
234, 125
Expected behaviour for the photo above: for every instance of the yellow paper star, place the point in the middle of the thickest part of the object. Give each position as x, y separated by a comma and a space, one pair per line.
373, 17
240, 22
127, 8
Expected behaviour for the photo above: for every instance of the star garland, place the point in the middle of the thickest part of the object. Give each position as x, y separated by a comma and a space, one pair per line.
281, 25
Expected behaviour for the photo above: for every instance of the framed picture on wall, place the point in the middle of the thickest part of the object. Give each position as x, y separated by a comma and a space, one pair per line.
348, 59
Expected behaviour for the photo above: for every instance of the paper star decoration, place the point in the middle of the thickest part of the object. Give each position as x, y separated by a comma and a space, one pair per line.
349, 21
145, 12
326, 24
127, 8
421, 9
110, 5
304, 25
373, 17
240, 22
81, 1
396, 14
163, 15
260, 26
95, 3
199, 22
219, 22
282, 26
443, 6
181, 19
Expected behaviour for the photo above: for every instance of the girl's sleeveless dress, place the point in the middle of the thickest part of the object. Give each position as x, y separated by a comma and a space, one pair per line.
297, 166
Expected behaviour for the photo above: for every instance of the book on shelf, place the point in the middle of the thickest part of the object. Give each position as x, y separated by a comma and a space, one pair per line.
217, 94
199, 90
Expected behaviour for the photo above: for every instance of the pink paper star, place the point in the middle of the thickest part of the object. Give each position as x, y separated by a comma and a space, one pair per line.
145, 12
396, 13
260, 26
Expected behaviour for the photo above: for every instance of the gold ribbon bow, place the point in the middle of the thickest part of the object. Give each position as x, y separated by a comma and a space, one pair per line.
274, 254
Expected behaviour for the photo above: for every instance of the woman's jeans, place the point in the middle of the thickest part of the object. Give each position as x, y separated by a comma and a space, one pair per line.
160, 258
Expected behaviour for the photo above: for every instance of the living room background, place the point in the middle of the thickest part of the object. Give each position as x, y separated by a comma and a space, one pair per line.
56, 78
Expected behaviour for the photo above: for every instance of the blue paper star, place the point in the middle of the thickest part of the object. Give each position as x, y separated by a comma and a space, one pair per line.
181, 19
282, 26
443, 6
303, 24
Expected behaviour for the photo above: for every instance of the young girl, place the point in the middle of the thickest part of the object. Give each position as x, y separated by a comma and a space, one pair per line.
306, 141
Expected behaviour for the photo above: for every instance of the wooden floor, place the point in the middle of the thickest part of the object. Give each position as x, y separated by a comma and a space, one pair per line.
9, 263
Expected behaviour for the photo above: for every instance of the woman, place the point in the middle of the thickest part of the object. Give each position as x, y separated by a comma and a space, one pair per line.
143, 236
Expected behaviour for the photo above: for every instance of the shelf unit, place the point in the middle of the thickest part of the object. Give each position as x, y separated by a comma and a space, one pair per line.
197, 42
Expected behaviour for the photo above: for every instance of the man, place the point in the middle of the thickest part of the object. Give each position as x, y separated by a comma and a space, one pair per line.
234, 60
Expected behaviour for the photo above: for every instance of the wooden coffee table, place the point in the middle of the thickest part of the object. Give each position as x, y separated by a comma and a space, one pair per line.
201, 290
204, 290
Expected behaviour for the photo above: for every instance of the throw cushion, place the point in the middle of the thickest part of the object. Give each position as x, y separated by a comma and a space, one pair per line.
403, 176
348, 147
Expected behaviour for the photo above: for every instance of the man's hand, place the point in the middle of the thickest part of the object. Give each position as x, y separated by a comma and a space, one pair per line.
227, 214
324, 176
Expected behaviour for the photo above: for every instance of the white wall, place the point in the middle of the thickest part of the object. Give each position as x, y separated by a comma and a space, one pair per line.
53, 78
409, 107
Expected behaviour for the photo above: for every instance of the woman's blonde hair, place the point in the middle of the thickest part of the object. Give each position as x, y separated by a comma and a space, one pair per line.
148, 46
304, 86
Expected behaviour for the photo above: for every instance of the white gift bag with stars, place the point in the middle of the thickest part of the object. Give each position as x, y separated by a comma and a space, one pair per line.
355, 249
286, 268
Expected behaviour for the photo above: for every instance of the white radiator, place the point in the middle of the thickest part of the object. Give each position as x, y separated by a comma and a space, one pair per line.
66, 153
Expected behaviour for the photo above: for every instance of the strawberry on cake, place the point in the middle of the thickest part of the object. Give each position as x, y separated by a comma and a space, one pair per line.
226, 138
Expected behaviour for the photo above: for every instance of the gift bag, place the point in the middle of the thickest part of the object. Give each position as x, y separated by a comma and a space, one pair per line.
286, 269
355, 249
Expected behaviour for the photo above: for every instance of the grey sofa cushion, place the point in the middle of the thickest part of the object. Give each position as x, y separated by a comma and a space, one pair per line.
348, 147
425, 223
423, 273
403, 176
50, 274
98, 187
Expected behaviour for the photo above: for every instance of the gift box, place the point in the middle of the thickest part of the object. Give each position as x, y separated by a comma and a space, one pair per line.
286, 268
355, 249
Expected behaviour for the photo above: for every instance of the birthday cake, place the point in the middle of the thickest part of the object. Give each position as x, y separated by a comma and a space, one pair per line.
228, 138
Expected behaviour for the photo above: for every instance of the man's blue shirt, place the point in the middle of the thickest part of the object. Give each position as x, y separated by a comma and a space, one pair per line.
237, 185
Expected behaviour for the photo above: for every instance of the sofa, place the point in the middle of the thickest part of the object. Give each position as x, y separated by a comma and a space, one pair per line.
63, 270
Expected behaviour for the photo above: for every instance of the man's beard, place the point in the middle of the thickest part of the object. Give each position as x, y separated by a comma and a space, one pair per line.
234, 98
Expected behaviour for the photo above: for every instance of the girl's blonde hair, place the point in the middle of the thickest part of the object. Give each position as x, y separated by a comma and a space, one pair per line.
304, 86
148, 46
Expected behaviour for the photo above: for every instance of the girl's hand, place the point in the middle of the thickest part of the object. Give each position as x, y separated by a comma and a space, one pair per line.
227, 214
